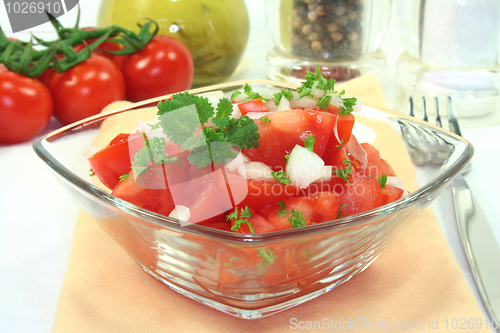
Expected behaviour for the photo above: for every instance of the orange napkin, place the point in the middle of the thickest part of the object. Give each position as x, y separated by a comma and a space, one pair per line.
415, 284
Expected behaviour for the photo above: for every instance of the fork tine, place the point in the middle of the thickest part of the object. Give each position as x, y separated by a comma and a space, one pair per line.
452, 118
438, 117
410, 107
424, 109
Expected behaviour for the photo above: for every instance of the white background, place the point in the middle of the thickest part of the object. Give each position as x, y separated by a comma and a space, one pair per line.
37, 217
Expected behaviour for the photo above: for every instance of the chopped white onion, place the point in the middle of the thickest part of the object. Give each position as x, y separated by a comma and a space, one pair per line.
255, 170
358, 106
304, 167
180, 212
236, 111
284, 104
304, 102
317, 93
396, 182
356, 150
257, 115
214, 97
237, 161
271, 106
239, 98
335, 101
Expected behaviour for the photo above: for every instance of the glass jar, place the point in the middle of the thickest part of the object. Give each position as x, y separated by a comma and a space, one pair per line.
341, 36
452, 48
215, 31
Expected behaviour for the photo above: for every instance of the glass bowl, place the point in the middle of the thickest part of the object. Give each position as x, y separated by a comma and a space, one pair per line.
247, 275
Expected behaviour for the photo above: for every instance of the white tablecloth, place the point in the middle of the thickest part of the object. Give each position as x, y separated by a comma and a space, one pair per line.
37, 216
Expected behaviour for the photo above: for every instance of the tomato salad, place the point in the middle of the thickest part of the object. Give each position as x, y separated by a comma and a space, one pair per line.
250, 164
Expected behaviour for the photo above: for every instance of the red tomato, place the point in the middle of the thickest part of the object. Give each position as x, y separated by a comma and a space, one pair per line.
344, 125
114, 160
287, 129
156, 200
391, 193
376, 166
256, 105
164, 66
360, 196
84, 90
25, 107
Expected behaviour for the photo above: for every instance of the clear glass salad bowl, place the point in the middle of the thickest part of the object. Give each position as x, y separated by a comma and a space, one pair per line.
247, 275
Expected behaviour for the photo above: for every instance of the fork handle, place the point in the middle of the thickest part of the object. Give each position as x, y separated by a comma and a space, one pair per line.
481, 248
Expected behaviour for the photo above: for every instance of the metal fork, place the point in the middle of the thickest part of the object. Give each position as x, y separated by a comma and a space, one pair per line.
478, 240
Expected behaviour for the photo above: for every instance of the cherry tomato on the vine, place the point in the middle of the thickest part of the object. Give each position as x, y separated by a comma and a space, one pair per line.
84, 90
164, 66
25, 107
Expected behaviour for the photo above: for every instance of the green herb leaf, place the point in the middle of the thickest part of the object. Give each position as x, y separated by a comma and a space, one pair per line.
282, 212
91, 173
287, 93
268, 258
341, 144
297, 219
345, 172
382, 180
154, 152
240, 218
281, 176
124, 176
309, 142
183, 120
234, 94
339, 214
265, 119
224, 110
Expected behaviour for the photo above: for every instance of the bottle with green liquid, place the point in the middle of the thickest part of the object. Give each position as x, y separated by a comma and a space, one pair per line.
215, 31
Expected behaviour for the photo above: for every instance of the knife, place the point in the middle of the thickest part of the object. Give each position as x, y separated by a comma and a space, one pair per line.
481, 248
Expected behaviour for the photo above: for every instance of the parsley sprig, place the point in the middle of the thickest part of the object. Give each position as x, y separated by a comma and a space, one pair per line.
184, 119
309, 142
297, 219
287, 93
281, 176
327, 85
345, 172
283, 211
251, 95
241, 218
268, 258
153, 152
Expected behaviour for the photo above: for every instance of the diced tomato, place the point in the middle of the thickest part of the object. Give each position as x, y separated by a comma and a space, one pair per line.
318, 207
256, 105
114, 160
376, 166
333, 153
259, 224
258, 193
360, 196
287, 129
156, 200
391, 193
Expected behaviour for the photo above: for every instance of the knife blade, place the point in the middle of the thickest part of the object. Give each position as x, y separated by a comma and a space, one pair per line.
481, 248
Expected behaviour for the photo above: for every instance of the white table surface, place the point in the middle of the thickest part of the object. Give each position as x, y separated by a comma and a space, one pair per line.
37, 216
